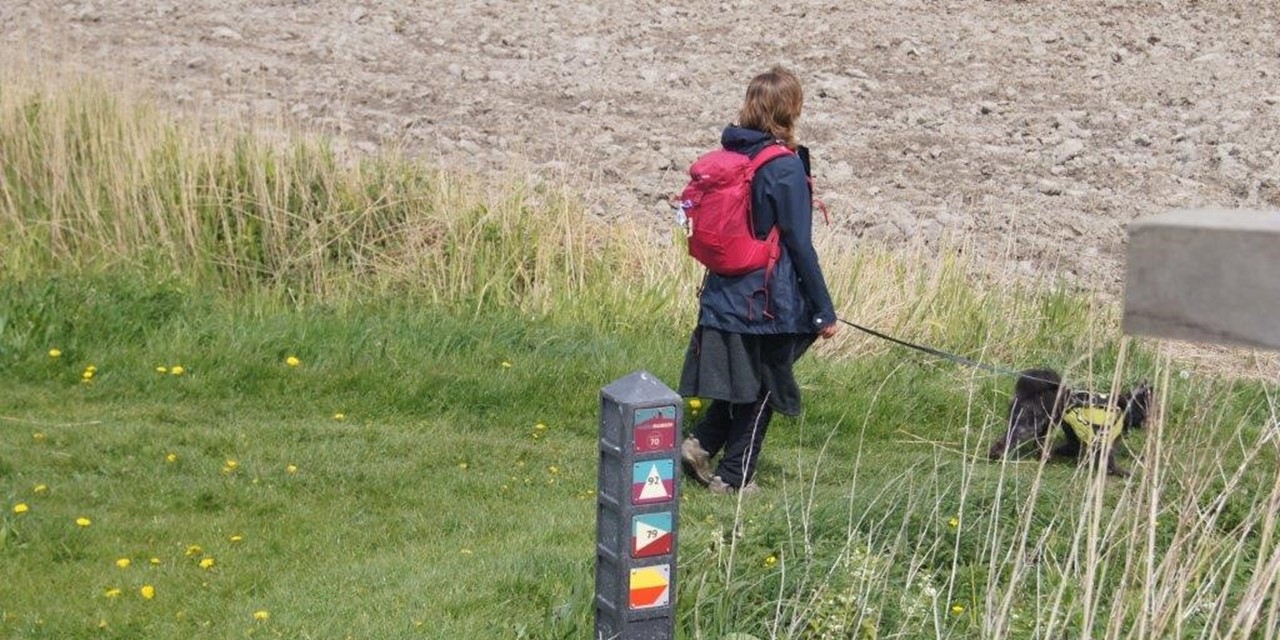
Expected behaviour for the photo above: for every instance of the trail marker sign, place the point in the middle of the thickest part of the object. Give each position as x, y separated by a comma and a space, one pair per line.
637, 509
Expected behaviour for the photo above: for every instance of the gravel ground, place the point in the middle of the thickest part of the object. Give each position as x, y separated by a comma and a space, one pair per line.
1030, 131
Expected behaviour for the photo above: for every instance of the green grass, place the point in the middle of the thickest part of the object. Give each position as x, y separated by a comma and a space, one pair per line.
445, 318
431, 509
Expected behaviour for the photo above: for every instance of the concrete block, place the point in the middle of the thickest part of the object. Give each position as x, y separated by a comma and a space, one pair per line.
1205, 275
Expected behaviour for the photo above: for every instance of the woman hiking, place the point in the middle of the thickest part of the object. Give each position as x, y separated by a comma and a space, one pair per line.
752, 328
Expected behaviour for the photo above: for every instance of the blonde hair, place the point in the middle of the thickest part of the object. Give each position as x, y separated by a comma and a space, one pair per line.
773, 103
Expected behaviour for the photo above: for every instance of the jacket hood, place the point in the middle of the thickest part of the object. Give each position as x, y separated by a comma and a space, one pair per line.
744, 140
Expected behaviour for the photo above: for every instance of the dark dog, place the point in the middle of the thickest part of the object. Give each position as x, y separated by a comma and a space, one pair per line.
1041, 402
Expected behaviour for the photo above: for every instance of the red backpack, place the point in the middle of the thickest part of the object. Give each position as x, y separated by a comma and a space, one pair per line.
716, 208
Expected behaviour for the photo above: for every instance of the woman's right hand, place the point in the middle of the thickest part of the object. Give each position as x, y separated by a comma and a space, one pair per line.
829, 331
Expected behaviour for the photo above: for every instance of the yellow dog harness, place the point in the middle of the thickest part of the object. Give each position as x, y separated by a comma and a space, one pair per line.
1087, 421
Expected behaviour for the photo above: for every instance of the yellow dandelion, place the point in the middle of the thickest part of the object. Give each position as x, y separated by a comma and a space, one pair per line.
87, 375
41, 489
339, 416
155, 560
292, 361
55, 353
506, 364
177, 370
147, 591
695, 404
123, 563
261, 615
91, 368
38, 436
957, 608
206, 563
553, 469
540, 427
21, 508
83, 522
232, 464
162, 369
194, 550
771, 560
102, 624
171, 458
291, 469
462, 465
236, 539
111, 593
954, 522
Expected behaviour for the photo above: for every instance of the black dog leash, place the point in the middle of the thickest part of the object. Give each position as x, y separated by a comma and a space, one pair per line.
942, 354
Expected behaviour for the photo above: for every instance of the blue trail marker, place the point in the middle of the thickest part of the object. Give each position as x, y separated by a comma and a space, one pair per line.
637, 510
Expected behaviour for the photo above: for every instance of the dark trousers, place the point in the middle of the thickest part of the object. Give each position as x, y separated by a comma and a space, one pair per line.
736, 430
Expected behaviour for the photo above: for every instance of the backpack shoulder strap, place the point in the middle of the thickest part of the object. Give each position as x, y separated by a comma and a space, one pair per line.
770, 152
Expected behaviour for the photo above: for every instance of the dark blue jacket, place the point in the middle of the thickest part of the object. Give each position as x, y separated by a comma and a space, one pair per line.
796, 298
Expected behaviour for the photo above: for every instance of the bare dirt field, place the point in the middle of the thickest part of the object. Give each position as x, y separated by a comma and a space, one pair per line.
1032, 131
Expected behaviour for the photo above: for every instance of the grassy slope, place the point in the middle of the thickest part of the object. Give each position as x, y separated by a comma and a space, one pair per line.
434, 501
437, 507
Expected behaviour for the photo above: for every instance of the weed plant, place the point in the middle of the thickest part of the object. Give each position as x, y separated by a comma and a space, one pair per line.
305, 395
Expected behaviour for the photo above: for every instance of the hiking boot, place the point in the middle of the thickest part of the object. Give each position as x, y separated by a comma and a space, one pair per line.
695, 460
720, 487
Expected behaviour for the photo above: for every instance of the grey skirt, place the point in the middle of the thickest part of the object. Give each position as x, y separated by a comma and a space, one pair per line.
741, 367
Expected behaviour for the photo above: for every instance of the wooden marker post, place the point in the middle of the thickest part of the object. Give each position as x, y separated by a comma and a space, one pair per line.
637, 509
